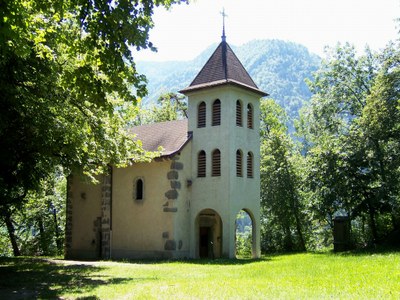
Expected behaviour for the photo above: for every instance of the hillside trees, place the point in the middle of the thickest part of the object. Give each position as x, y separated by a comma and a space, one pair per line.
278, 67
66, 81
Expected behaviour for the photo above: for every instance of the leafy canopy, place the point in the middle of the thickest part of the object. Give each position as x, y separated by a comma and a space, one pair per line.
68, 86
353, 122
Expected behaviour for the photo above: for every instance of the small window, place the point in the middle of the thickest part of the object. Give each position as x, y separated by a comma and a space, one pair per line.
216, 163
239, 172
216, 113
249, 165
201, 164
239, 113
201, 115
139, 189
249, 116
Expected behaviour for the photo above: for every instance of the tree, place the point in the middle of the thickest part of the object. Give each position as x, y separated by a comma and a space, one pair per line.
66, 79
170, 106
353, 139
280, 182
39, 223
379, 129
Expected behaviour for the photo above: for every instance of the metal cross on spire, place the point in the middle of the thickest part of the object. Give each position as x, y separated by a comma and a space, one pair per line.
223, 24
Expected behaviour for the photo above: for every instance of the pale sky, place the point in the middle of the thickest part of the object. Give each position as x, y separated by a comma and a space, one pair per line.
186, 30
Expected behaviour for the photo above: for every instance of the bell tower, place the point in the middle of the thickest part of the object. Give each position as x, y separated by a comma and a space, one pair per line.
223, 106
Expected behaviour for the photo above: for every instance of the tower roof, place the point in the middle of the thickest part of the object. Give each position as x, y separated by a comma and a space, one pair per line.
223, 67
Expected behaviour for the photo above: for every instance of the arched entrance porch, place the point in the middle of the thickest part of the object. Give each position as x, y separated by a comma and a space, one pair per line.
208, 232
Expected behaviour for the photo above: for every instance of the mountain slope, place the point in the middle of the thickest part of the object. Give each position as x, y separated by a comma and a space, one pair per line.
278, 68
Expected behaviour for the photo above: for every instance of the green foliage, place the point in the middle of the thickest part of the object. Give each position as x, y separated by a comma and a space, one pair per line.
351, 130
350, 162
243, 244
40, 220
282, 208
5, 246
243, 235
66, 79
170, 106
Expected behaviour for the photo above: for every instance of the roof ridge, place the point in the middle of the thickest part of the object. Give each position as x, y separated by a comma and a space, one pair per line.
238, 60
207, 63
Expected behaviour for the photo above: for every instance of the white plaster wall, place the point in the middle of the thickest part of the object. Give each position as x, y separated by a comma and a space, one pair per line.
140, 228
86, 209
138, 225
226, 194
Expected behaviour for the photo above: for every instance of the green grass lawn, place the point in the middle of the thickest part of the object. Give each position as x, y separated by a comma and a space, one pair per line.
295, 276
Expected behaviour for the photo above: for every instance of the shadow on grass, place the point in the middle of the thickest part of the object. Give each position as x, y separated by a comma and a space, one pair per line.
225, 261
217, 261
371, 250
31, 278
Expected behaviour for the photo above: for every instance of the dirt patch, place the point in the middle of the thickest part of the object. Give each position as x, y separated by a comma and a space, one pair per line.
82, 262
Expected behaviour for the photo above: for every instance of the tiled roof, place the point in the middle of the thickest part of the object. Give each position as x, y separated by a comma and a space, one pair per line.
223, 67
172, 136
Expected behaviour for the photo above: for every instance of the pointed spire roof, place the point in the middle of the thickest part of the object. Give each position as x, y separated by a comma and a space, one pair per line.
223, 67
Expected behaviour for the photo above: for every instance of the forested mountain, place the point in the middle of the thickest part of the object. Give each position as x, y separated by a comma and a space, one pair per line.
278, 67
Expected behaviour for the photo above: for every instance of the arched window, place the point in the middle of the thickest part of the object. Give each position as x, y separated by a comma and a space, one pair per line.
239, 113
216, 113
249, 116
201, 164
239, 172
216, 163
139, 189
249, 165
201, 115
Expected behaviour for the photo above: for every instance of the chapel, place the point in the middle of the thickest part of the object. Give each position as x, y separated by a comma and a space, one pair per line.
184, 203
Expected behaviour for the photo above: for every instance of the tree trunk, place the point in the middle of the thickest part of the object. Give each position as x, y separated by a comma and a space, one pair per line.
43, 240
11, 232
299, 232
59, 242
371, 211
288, 242
395, 221
295, 209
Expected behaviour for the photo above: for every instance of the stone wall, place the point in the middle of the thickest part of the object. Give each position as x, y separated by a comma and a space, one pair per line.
68, 219
172, 195
106, 204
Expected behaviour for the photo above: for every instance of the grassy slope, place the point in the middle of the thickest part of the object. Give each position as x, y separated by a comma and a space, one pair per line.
297, 276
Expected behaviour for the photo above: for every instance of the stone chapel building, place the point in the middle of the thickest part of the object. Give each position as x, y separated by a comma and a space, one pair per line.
184, 203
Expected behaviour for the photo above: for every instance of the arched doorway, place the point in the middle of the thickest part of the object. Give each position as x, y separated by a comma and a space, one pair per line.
245, 235
209, 234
